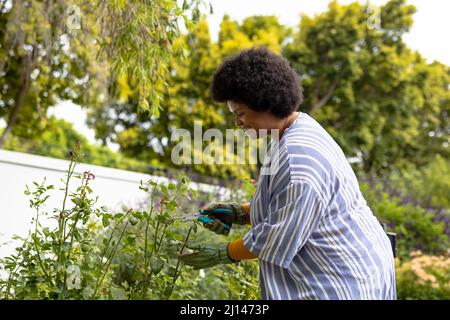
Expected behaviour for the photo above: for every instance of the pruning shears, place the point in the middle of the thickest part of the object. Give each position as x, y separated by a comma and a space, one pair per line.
202, 216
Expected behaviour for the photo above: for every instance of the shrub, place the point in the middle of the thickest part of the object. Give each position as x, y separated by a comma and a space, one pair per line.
90, 253
416, 228
429, 186
77, 258
423, 277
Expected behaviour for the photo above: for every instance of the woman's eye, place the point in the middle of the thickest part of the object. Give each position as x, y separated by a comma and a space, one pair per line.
240, 115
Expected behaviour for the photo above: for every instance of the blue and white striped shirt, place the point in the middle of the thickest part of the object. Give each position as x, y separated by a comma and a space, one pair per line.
312, 230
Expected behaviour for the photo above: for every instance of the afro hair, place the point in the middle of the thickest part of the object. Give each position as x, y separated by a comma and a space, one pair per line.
264, 81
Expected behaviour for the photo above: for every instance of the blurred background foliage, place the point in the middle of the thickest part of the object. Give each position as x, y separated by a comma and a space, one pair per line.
380, 100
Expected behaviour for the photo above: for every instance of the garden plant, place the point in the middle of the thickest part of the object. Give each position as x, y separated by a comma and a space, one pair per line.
77, 257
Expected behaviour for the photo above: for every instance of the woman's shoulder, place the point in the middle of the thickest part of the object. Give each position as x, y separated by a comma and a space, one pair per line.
306, 129
307, 139
307, 153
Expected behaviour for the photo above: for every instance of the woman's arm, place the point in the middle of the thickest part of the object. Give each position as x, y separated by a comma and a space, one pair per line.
238, 251
246, 207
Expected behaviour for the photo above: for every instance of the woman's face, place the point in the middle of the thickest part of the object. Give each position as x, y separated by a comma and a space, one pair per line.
248, 119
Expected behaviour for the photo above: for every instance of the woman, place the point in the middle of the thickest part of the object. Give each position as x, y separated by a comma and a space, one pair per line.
312, 231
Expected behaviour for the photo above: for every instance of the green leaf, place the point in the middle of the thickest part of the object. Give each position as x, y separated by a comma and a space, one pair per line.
153, 183
156, 264
133, 221
118, 293
85, 247
66, 246
87, 293
117, 216
46, 246
130, 239
165, 219
172, 271
105, 220
142, 187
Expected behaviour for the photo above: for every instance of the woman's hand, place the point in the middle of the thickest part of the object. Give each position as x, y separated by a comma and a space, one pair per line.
206, 256
224, 212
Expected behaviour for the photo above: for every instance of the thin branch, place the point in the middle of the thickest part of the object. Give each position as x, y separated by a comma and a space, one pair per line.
327, 96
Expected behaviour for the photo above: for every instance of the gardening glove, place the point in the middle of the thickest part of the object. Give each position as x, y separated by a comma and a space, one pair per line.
206, 256
237, 216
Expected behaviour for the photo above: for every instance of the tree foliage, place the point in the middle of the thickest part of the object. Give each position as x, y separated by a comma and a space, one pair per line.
378, 98
75, 49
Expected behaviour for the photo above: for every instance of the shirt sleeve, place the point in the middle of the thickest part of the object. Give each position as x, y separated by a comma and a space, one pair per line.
292, 216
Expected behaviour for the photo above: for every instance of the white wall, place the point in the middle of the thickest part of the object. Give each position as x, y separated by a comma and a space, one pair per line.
114, 188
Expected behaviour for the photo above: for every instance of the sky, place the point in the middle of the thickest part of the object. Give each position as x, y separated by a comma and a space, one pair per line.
428, 35
430, 29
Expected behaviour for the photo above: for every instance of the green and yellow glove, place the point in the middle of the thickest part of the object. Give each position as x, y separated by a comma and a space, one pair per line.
206, 256
237, 215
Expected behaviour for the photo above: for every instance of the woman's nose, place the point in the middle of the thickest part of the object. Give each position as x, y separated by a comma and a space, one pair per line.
238, 122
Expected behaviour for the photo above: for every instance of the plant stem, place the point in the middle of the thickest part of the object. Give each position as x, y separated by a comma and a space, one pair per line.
158, 244
19, 254
177, 273
66, 191
146, 261
77, 217
71, 232
161, 238
62, 226
36, 246
113, 251
155, 238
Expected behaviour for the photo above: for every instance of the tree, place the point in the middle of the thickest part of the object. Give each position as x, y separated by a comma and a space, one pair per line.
254, 30
37, 66
47, 56
187, 97
186, 100
139, 39
58, 138
367, 88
